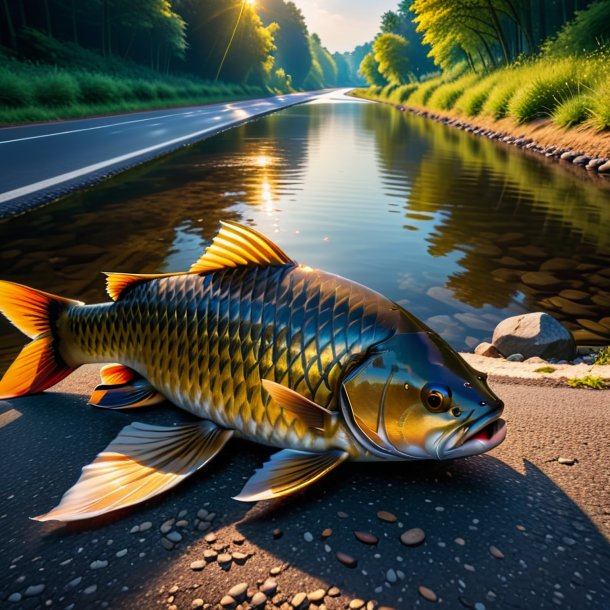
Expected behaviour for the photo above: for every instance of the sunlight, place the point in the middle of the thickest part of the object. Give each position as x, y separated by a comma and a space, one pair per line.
266, 196
262, 161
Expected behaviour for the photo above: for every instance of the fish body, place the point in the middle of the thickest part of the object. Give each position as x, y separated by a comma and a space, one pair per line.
258, 347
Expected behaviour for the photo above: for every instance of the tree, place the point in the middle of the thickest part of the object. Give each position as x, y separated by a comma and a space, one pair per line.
390, 52
369, 68
323, 71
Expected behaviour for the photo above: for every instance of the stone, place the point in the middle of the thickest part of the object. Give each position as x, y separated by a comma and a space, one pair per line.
534, 334
413, 537
581, 160
428, 594
298, 600
239, 558
275, 571
347, 560
197, 603
166, 526
342, 515
386, 516
145, 526
390, 576
228, 602
198, 565
98, 564
334, 592
224, 558
269, 587
541, 279
516, 358
488, 350
258, 599
567, 461
317, 595
496, 552
210, 538
356, 604
366, 537
238, 592
605, 168
569, 155
308, 536
210, 555
574, 295
14, 598
327, 532
181, 524
33, 590
174, 536
202, 513
277, 533
595, 163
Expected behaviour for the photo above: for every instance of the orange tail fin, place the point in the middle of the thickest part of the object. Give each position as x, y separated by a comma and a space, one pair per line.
39, 365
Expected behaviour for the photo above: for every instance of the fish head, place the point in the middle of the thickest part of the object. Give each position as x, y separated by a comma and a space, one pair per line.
413, 397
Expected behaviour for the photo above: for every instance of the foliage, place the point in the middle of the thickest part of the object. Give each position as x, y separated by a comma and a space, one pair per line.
390, 52
589, 381
425, 91
603, 356
471, 103
573, 111
325, 60
445, 96
600, 107
369, 68
500, 96
402, 93
56, 89
14, 91
590, 30
545, 369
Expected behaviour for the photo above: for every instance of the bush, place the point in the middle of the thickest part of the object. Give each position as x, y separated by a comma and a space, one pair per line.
499, 98
15, 92
56, 89
445, 96
402, 94
143, 90
600, 105
471, 103
422, 94
98, 89
163, 91
573, 111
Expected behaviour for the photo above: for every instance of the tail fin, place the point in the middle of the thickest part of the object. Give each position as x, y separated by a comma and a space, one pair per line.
39, 365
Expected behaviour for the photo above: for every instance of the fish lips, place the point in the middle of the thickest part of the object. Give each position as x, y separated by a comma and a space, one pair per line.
474, 438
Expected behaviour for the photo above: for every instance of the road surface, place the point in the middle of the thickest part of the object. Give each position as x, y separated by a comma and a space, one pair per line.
514, 529
42, 162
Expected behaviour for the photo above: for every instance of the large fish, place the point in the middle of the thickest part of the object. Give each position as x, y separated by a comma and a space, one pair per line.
257, 347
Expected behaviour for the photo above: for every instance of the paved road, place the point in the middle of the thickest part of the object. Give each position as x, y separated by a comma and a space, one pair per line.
41, 162
549, 521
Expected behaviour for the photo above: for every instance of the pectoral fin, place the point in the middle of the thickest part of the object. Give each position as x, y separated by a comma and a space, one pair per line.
123, 388
287, 471
141, 462
310, 413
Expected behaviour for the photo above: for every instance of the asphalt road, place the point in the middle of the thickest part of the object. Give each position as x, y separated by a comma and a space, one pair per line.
42, 162
548, 523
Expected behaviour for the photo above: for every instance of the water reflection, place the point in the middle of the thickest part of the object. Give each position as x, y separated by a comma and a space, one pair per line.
460, 230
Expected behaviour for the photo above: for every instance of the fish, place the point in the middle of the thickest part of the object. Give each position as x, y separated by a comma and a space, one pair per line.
255, 346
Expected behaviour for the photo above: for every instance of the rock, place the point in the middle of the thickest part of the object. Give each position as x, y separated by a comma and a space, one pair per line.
569, 155
275, 571
413, 537
605, 168
14, 598
277, 533
308, 536
342, 515
98, 564
567, 461
181, 524
202, 513
33, 590
210, 555
238, 592
496, 552
145, 526
269, 587
541, 279
197, 603
347, 560
135, 529
90, 590
534, 334
384, 515
174, 537
574, 295
228, 602
334, 592
515, 358
258, 599
595, 163
210, 538
366, 537
390, 576
298, 600
239, 558
428, 594
317, 595
239, 540
488, 350
224, 558
198, 565
327, 533
581, 160
356, 604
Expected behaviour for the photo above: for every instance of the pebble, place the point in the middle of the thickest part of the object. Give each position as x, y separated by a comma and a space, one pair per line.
174, 536
413, 537
317, 595
384, 515
269, 587
426, 593
327, 533
198, 565
366, 537
298, 600
567, 461
238, 592
210, 517
334, 592
174, 589
356, 604
308, 536
98, 564
277, 533
479, 606
227, 602
342, 515
90, 590
202, 513
181, 524
135, 529
203, 525
515, 358
210, 555
224, 558
239, 540
390, 576
239, 558
145, 526
166, 526
14, 598
167, 544
197, 603
275, 571
211, 538
460, 541
258, 599
496, 552
347, 560
121, 553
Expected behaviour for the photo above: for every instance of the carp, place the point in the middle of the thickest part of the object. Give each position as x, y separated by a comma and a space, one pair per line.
258, 347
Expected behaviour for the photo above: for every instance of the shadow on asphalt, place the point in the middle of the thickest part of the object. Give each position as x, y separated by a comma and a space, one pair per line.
553, 555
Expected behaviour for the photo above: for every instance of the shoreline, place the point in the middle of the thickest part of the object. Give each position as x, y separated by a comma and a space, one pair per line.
579, 147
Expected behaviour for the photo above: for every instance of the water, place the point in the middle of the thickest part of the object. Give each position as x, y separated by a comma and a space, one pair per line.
461, 231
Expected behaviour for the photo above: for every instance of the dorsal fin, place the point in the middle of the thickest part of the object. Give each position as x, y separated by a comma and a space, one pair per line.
236, 245
116, 283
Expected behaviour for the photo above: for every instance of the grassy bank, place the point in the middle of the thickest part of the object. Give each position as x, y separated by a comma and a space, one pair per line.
32, 92
561, 102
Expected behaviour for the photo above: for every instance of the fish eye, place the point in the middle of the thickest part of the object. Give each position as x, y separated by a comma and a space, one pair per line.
436, 398
456, 411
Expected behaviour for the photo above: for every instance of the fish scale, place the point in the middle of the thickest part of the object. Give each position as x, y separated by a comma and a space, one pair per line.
206, 342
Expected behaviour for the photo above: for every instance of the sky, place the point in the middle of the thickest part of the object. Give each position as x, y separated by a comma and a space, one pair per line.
344, 24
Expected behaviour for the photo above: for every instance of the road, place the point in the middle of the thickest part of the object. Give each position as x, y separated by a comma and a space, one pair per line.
42, 162
509, 530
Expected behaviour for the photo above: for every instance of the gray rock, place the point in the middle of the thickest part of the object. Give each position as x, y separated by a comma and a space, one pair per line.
174, 536
14, 598
145, 526
605, 168
581, 160
98, 564
33, 590
308, 537
595, 163
390, 576
488, 350
534, 334
515, 358
569, 155
121, 553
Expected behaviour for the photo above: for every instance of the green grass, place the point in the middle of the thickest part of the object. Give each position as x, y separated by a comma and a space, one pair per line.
445, 96
402, 94
589, 381
573, 111
545, 369
603, 356
423, 93
600, 106
472, 101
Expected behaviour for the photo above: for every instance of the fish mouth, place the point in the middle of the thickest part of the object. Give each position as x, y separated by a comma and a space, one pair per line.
478, 437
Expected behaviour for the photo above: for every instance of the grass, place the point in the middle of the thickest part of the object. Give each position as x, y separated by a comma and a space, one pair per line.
589, 381
499, 98
445, 96
603, 356
472, 101
572, 111
545, 369
600, 106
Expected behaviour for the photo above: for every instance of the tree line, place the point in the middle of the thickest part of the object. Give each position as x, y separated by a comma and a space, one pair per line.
262, 43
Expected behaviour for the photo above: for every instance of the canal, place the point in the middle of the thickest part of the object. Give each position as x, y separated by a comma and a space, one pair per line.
461, 231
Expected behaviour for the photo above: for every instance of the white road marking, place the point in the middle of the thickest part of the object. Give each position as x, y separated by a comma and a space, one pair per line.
49, 182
